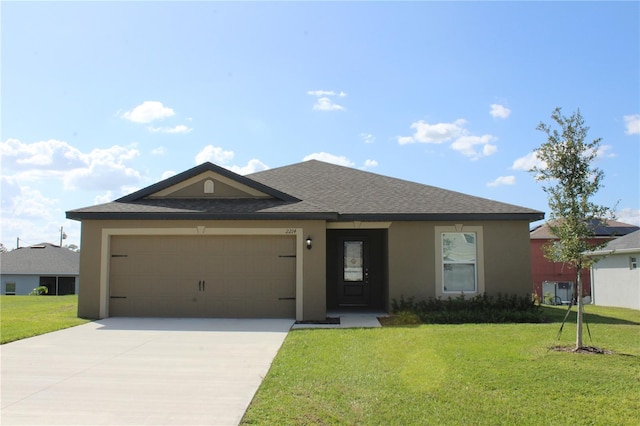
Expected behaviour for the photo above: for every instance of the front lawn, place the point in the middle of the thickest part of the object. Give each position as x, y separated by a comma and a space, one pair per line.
27, 316
480, 374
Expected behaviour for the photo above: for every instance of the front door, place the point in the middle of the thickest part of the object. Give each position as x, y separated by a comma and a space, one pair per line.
353, 282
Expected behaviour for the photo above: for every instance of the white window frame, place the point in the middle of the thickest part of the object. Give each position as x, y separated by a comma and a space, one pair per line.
440, 262
633, 262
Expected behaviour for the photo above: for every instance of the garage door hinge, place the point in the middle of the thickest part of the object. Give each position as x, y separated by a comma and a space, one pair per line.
119, 255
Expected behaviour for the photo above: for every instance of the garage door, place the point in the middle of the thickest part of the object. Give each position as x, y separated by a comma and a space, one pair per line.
204, 276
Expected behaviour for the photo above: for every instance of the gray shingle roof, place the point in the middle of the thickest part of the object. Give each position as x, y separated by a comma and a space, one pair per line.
612, 228
626, 244
40, 259
356, 192
313, 190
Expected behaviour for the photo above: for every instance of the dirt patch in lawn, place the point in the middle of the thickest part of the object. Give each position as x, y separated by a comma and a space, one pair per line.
583, 350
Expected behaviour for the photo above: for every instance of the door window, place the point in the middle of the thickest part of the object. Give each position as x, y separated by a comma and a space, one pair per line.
353, 261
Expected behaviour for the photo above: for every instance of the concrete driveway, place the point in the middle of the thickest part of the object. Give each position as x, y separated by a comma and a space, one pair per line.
138, 371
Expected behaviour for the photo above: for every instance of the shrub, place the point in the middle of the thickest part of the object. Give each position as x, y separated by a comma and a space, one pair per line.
478, 309
39, 291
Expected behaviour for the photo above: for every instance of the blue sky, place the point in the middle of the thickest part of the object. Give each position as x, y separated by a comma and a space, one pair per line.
100, 99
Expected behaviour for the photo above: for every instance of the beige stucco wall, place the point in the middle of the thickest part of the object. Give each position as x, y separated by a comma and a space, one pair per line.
411, 268
413, 261
92, 298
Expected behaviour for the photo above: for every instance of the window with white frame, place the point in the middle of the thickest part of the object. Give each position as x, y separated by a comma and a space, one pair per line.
633, 262
459, 262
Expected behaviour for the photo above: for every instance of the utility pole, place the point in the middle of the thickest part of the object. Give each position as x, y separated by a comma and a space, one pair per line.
63, 236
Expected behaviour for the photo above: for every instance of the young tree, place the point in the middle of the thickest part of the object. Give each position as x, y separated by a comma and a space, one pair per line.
571, 182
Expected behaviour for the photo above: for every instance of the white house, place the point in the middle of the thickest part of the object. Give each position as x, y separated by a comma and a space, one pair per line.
615, 278
48, 265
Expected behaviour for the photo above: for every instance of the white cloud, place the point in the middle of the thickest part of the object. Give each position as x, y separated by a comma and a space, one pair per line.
466, 145
629, 215
403, 140
320, 93
528, 162
107, 197
168, 174
369, 164
499, 111
53, 159
433, 133
147, 112
159, 151
252, 166
326, 104
104, 169
503, 180
632, 122
324, 93
27, 214
463, 142
367, 137
214, 154
604, 151
49, 154
330, 158
30, 203
126, 190
221, 157
181, 128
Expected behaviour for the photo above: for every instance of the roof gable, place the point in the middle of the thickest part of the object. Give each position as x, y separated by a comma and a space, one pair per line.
207, 181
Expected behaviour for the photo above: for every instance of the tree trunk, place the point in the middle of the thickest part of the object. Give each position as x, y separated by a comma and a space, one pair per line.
580, 309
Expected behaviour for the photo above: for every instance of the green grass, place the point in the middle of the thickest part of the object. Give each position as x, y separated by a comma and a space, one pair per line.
480, 374
27, 316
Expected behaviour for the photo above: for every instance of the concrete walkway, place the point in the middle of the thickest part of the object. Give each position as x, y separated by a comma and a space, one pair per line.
348, 319
137, 371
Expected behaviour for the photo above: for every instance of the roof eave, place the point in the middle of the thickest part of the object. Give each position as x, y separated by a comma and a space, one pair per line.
329, 216
610, 252
201, 216
440, 217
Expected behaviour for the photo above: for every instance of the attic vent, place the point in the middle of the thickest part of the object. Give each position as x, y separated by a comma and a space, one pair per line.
37, 247
208, 187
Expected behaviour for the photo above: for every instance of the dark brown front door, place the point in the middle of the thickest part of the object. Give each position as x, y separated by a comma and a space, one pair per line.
353, 282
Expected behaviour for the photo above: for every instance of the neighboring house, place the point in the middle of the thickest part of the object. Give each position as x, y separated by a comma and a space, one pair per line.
615, 278
26, 268
548, 276
294, 241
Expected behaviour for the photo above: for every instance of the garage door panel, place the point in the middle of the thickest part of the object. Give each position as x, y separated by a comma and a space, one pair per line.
206, 276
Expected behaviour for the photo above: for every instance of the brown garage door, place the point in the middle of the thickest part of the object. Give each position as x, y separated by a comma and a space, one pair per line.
204, 276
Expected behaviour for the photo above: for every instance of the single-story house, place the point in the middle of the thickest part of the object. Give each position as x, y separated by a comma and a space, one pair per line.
294, 241
615, 278
559, 278
26, 268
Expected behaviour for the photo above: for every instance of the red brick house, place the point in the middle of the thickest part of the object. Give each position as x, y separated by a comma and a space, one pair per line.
557, 279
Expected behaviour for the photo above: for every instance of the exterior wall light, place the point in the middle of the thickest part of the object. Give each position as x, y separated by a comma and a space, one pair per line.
309, 243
